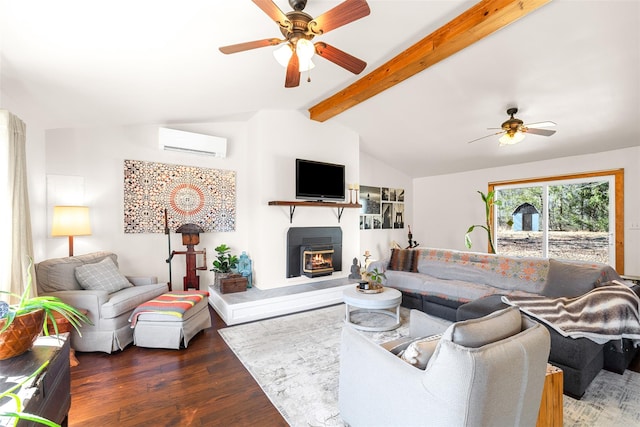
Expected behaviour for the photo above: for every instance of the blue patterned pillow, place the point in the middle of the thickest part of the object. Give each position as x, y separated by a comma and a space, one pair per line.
101, 276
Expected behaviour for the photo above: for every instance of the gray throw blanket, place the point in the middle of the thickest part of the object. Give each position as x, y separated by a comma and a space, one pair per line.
608, 312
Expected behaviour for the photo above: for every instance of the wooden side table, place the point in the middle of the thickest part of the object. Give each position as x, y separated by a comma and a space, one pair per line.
551, 408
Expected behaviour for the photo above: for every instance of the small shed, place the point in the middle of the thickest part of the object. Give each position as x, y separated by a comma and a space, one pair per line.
526, 218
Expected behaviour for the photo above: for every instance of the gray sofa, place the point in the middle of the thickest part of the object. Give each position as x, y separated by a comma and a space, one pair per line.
457, 285
482, 372
108, 310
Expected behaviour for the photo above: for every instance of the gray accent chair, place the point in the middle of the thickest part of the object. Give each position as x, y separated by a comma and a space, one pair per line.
484, 372
109, 312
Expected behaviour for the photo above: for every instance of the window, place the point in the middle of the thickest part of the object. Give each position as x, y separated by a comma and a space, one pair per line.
577, 217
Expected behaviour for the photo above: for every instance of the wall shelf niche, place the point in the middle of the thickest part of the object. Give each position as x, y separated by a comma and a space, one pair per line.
293, 204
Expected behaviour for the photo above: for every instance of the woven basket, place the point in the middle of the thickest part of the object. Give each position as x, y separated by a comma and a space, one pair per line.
21, 334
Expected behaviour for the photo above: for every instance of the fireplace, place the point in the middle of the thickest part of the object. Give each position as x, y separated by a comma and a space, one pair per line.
316, 260
314, 251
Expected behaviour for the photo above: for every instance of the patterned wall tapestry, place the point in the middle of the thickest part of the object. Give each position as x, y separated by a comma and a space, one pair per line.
202, 196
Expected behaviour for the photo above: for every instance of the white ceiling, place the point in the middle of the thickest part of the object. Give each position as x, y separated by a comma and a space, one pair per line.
76, 63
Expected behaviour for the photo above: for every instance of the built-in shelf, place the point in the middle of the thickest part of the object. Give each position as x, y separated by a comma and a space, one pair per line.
292, 206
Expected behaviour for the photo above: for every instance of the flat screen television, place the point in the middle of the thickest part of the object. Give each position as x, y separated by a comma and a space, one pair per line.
319, 181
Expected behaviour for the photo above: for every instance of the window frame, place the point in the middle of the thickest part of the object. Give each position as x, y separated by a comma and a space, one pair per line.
618, 179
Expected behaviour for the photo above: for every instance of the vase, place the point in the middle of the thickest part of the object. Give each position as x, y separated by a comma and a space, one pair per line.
21, 334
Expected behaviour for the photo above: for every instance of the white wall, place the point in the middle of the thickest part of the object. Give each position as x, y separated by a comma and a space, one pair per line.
444, 223
262, 151
374, 172
277, 139
98, 154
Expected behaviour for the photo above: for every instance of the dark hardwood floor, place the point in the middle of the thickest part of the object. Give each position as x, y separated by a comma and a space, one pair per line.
203, 385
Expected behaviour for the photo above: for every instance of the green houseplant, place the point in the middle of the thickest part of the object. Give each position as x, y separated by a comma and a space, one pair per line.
22, 322
373, 281
224, 264
489, 202
376, 276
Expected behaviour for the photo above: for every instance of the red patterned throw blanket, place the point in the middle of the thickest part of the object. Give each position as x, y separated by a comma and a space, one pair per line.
608, 312
172, 303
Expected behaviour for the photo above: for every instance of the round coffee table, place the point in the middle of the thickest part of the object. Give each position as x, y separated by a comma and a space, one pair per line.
386, 302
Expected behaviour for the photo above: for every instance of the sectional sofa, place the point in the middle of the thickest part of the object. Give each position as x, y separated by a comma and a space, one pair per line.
457, 285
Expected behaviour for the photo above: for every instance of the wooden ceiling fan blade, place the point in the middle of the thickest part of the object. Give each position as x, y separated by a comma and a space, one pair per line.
483, 137
543, 132
240, 47
341, 58
344, 13
274, 12
293, 71
546, 124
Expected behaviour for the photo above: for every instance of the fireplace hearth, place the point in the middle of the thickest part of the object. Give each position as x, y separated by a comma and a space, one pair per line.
313, 251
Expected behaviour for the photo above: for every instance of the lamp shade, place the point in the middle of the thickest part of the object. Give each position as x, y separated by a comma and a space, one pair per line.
305, 50
511, 139
70, 221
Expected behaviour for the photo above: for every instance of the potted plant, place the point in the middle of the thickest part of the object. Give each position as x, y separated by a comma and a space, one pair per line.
224, 264
22, 322
489, 202
374, 279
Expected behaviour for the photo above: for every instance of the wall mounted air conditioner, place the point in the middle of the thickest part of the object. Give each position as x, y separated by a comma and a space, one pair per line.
194, 143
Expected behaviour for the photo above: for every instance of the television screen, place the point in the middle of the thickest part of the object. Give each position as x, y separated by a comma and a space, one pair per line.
319, 181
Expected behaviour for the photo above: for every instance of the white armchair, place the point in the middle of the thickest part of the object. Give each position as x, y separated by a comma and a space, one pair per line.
109, 311
484, 372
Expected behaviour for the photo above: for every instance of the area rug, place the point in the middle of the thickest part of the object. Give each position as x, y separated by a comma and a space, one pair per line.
295, 359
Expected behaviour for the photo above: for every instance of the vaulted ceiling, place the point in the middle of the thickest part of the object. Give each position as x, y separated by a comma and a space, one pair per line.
575, 62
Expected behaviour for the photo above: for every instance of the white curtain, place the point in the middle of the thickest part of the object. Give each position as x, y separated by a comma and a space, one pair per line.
16, 250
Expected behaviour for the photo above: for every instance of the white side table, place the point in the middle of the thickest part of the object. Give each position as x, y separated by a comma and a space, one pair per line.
386, 302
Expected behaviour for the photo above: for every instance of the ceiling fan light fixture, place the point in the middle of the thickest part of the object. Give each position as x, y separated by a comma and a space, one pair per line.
305, 50
511, 139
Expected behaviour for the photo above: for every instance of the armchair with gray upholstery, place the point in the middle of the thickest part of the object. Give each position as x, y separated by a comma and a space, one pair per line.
93, 282
482, 372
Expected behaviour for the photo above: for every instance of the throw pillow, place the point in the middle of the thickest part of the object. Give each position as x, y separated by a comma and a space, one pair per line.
485, 330
397, 345
404, 260
570, 280
101, 276
420, 351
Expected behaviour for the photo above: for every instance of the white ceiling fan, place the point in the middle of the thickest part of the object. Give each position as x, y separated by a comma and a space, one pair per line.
513, 130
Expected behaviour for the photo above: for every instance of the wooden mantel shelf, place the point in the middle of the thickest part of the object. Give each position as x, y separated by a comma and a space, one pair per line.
293, 204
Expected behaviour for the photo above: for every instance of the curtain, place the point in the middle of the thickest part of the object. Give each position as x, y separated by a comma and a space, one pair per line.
17, 246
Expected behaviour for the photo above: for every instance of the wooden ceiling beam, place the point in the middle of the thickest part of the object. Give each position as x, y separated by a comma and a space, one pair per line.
474, 24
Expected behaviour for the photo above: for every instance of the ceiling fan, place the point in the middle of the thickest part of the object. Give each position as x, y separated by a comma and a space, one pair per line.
514, 129
299, 28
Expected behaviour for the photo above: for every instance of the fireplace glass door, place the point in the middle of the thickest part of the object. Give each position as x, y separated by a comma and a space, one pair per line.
317, 261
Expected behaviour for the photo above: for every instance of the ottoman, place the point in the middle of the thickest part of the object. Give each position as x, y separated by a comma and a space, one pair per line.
580, 359
161, 330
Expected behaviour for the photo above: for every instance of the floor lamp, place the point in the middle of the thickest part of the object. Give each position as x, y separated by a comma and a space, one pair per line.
70, 221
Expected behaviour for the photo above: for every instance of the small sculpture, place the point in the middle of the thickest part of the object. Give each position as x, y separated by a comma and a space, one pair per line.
412, 243
355, 270
244, 268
